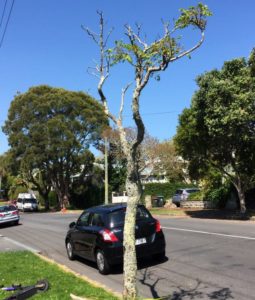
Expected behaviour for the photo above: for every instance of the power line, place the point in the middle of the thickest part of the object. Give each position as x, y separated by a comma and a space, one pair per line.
155, 113
7, 22
3, 13
160, 113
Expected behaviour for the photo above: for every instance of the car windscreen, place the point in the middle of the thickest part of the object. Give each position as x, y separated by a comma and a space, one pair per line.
117, 218
30, 201
178, 192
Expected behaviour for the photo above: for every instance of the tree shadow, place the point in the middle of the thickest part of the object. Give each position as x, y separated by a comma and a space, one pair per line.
147, 275
181, 293
218, 214
221, 294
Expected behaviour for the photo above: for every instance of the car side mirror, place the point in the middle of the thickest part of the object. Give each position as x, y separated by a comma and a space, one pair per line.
71, 225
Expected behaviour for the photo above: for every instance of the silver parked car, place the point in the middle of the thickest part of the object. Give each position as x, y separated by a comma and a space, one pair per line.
183, 194
9, 214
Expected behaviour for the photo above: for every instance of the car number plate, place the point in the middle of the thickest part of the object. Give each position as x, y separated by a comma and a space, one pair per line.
140, 241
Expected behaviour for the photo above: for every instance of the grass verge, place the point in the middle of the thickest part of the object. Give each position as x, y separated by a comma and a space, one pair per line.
168, 212
23, 267
220, 214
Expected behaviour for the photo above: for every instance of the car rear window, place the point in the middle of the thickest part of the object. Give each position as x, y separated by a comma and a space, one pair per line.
7, 208
117, 218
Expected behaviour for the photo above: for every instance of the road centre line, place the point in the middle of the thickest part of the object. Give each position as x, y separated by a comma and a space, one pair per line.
211, 233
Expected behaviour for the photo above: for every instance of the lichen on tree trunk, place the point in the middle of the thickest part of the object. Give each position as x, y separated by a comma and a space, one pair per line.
130, 261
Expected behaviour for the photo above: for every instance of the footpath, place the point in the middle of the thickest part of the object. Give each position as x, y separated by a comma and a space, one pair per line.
7, 244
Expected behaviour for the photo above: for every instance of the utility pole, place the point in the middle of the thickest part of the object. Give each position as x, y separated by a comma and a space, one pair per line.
106, 190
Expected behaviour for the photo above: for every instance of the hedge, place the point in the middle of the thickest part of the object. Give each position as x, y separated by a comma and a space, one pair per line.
167, 190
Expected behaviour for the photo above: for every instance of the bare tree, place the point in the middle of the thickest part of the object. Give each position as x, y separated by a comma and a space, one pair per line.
147, 60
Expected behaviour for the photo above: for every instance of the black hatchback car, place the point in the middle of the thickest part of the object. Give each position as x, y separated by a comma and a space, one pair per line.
98, 236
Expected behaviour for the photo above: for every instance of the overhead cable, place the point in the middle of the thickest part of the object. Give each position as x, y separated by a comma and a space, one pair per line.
3, 13
7, 22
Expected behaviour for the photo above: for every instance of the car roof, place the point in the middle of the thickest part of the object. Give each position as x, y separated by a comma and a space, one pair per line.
108, 207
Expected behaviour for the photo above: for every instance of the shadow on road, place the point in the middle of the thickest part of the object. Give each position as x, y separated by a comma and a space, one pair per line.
221, 294
118, 269
192, 294
219, 214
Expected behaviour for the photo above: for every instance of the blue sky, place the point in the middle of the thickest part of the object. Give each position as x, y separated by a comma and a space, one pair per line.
44, 44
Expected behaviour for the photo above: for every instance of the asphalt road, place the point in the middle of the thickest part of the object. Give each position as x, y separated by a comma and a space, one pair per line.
207, 259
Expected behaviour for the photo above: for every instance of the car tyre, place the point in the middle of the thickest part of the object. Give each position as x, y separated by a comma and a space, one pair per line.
69, 250
102, 263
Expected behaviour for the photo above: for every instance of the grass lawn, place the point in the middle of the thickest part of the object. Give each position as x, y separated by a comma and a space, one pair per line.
23, 267
203, 213
168, 212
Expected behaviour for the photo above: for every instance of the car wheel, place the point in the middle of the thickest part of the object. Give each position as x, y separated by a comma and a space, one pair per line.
69, 250
102, 264
160, 256
16, 222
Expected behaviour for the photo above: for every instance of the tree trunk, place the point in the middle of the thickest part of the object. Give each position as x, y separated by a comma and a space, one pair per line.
130, 263
46, 204
45, 197
241, 196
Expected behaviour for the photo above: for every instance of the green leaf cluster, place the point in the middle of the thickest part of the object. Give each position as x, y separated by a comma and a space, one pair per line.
195, 16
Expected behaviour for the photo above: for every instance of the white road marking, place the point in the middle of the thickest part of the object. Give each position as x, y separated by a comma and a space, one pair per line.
211, 233
20, 244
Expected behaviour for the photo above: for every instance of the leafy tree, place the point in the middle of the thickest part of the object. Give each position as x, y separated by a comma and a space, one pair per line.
147, 60
49, 131
88, 191
218, 130
147, 156
3, 173
168, 162
8, 172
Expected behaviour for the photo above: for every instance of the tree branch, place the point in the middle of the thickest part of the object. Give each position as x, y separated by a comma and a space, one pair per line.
123, 93
191, 49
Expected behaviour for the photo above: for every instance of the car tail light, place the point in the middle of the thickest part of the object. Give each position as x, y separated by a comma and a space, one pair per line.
158, 226
15, 212
108, 236
1, 215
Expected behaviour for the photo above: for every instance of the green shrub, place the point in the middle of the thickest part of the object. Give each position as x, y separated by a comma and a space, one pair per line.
91, 196
198, 196
53, 199
219, 196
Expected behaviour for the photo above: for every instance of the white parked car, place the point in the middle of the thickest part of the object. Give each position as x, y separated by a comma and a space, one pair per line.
27, 202
183, 194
